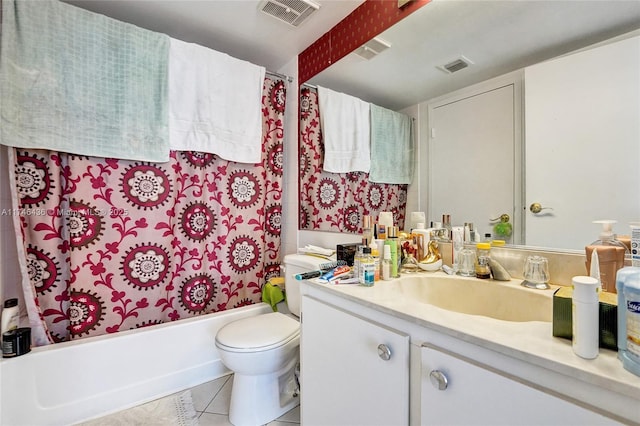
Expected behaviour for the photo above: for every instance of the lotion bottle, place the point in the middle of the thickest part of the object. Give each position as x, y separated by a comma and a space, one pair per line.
611, 253
628, 286
386, 263
585, 316
10, 315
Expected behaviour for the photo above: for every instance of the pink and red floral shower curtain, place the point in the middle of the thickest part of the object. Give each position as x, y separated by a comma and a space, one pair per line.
114, 245
336, 202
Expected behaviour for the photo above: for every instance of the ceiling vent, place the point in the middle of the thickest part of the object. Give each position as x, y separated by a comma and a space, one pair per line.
456, 65
293, 12
372, 48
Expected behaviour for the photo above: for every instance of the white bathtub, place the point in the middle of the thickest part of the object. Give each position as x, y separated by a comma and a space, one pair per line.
75, 381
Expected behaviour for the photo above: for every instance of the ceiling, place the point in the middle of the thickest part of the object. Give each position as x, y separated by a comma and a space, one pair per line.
235, 27
498, 36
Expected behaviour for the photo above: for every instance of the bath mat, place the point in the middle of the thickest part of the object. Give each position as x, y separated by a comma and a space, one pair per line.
172, 410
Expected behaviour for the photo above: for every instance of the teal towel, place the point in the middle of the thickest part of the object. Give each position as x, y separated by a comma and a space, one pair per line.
272, 294
391, 147
79, 82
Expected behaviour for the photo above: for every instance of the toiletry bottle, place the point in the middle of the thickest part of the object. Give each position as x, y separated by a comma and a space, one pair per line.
386, 263
392, 242
423, 236
385, 221
467, 232
483, 269
375, 255
611, 254
367, 230
446, 224
10, 315
357, 260
367, 268
585, 316
634, 243
628, 286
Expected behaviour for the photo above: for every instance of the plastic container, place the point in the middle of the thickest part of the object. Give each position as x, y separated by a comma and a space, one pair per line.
375, 254
635, 244
386, 263
16, 342
586, 319
483, 260
628, 286
367, 230
611, 254
392, 242
357, 261
10, 316
366, 276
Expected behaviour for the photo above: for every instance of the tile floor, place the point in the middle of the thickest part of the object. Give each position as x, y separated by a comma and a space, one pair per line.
211, 401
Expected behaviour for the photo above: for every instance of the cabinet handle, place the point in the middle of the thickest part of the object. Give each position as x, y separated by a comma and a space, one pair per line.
438, 380
384, 352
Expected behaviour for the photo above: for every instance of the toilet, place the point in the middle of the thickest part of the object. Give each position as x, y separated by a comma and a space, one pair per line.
263, 353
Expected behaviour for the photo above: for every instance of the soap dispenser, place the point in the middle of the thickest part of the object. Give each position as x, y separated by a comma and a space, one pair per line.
611, 253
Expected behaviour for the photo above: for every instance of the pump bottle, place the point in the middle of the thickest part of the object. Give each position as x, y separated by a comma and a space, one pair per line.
611, 253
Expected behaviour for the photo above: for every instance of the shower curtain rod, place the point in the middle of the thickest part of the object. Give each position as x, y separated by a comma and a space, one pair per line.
275, 74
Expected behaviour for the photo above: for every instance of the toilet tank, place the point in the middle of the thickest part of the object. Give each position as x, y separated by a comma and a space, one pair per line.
296, 264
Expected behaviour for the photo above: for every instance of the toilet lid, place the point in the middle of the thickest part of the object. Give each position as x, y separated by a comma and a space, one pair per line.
259, 332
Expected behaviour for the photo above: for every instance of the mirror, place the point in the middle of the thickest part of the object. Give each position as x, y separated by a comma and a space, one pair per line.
497, 38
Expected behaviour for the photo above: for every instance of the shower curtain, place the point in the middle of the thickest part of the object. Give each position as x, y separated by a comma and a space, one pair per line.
336, 202
111, 245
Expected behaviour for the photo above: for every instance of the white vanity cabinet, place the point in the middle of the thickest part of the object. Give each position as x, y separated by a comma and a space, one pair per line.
457, 390
354, 371
514, 373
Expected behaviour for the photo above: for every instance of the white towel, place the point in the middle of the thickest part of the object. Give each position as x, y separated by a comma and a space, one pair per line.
345, 131
215, 103
392, 150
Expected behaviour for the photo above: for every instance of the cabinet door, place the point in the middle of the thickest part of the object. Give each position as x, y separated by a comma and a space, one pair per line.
345, 376
475, 394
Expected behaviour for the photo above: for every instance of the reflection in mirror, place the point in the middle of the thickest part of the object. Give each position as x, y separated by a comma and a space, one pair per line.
337, 202
560, 140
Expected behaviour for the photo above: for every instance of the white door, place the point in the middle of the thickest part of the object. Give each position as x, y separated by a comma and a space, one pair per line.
583, 144
472, 159
346, 376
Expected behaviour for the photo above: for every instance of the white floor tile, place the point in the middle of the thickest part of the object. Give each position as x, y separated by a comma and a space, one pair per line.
203, 394
220, 404
291, 416
210, 419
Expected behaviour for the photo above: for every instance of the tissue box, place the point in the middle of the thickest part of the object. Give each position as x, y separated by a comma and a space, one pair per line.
562, 317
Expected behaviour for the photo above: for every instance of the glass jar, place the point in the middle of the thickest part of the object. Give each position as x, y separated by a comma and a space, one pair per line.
483, 269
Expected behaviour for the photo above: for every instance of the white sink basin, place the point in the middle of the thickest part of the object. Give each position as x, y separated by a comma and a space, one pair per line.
507, 301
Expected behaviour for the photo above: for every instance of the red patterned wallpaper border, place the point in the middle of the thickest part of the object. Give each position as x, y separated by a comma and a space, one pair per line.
367, 21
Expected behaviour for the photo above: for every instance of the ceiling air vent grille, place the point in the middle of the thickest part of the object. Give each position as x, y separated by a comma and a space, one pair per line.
456, 65
293, 12
372, 48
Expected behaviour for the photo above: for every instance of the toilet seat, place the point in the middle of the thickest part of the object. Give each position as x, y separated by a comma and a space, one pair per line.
258, 333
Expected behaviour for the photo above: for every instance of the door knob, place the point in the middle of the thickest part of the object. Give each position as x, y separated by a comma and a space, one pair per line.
384, 352
438, 380
503, 218
537, 208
